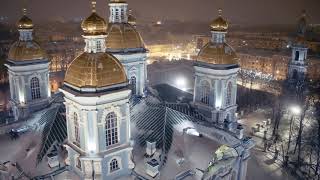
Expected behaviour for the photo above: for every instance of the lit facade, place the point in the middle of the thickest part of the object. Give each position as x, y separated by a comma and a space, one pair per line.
97, 109
215, 92
126, 44
28, 69
216, 71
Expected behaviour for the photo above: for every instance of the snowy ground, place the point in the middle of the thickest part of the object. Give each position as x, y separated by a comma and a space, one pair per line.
261, 166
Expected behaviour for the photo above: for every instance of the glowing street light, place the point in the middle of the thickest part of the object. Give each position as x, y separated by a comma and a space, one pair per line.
181, 83
295, 110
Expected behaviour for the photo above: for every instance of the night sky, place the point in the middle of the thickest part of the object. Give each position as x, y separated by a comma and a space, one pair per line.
236, 11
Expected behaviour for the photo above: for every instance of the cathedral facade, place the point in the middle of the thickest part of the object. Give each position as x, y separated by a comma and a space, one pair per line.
215, 87
97, 108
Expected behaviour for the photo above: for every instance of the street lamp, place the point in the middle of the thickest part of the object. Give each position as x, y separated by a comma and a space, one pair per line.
295, 110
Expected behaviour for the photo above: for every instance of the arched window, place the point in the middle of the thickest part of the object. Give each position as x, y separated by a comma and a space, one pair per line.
133, 82
35, 88
229, 94
205, 92
76, 129
111, 129
114, 165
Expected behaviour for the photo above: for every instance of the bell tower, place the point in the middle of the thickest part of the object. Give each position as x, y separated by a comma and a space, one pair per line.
298, 64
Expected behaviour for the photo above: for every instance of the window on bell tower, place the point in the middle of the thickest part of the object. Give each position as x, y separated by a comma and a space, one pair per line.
296, 56
35, 88
111, 129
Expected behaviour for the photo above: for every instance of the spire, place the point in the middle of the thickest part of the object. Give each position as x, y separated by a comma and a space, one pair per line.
24, 7
94, 3
302, 24
220, 12
25, 25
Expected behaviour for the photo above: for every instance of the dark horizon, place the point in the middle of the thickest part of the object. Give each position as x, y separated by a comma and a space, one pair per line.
255, 12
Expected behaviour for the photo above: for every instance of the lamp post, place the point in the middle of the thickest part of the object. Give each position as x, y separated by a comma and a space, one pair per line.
295, 110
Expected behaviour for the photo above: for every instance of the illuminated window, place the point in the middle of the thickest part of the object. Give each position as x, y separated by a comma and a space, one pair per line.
205, 91
76, 129
229, 94
111, 129
35, 88
114, 165
133, 82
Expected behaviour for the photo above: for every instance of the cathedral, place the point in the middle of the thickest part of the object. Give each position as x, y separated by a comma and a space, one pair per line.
115, 126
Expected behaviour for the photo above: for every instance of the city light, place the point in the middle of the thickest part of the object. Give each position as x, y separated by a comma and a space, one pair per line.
295, 110
181, 83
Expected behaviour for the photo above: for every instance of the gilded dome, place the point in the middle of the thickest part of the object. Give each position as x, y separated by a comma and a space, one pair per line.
123, 36
26, 51
95, 70
219, 24
25, 23
221, 54
94, 25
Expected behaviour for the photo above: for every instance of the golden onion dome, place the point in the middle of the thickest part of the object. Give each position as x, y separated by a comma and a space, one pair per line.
219, 24
95, 70
94, 24
25, 23
221, 54
26, 51
123, 36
